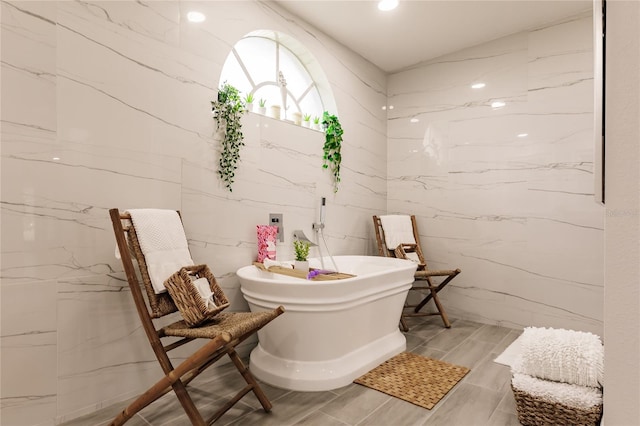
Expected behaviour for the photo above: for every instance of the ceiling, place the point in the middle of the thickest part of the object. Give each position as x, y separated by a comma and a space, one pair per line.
419, 30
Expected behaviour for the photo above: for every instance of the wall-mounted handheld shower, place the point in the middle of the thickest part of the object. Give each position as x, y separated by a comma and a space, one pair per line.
319, 228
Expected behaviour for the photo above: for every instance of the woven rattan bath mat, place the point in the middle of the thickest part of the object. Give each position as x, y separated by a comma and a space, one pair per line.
414, 378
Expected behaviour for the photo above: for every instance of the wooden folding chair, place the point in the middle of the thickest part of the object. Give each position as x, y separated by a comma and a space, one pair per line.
224, 332
392, 244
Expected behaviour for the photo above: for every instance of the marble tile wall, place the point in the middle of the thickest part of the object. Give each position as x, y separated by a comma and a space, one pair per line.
107, 104
516, 214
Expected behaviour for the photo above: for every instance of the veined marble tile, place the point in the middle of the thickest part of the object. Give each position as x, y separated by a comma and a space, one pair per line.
513, 211
52, 233
151, 22
29, 64
103, 351
29, 349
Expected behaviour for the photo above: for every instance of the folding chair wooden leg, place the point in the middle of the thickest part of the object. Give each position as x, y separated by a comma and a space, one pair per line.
433, 294
252, 385
443, 314
403, 325
172, 380
251, 381
437, 289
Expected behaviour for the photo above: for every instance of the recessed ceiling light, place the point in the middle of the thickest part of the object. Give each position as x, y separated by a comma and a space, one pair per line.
56, 158
414, 120
390, 106
478, 85
194, 16
386, 5
497, 104
523, 135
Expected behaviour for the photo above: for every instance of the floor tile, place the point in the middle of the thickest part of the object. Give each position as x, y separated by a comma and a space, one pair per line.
452, 337
469, 353
396, 412
500, 418
491, 334
468, 405
319, 418
490, 375
287, 410
354, 405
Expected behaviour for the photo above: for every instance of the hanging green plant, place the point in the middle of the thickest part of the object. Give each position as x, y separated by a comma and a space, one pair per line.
227, 112
332, 144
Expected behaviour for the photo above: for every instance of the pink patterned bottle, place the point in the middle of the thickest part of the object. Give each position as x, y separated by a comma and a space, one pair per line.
266, 242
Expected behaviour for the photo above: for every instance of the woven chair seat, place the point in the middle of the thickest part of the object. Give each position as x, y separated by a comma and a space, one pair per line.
236, 324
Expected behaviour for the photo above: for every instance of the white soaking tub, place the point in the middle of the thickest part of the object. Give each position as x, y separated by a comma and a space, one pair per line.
332, 331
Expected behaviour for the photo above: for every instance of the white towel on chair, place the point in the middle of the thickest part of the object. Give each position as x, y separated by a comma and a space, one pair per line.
568, 356
163, 243
398, 229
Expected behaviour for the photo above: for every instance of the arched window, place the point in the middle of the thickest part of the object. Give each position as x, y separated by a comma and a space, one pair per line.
277, 68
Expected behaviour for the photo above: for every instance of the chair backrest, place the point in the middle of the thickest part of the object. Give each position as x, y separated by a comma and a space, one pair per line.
382, 246
403, 249
405, 232
155, 305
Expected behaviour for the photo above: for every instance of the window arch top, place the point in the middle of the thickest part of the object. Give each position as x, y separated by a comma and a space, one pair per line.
278, 69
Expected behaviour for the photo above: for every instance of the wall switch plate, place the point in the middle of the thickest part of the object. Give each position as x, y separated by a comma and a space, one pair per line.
275, 219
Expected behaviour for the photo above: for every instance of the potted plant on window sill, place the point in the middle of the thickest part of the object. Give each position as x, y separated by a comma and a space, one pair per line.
306, 120
301, 249
248, 101
262, 106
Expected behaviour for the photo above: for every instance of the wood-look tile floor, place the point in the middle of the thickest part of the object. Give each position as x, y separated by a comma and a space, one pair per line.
483, 397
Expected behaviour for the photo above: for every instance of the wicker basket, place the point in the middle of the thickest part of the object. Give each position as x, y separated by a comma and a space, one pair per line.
536, 411
193, 308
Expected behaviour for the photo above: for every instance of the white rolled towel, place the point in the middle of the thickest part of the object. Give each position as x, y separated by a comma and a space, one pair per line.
574, 357
574, 396
204, 290
269, 263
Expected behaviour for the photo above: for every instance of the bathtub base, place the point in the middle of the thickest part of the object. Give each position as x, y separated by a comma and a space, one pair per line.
324, 375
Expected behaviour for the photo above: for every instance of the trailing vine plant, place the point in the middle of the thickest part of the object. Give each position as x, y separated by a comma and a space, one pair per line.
332, 144
227, 112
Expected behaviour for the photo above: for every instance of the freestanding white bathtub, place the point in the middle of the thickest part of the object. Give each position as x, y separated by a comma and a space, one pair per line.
332, 331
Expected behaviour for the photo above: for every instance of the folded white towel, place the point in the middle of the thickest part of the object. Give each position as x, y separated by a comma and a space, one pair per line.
398, 229
582, 397
269, 263
568, 356
163, 243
